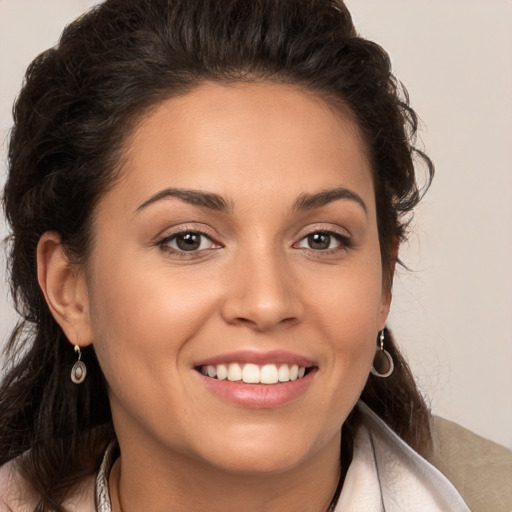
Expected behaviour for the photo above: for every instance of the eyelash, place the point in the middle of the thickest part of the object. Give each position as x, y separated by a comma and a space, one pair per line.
343, 240
165, 241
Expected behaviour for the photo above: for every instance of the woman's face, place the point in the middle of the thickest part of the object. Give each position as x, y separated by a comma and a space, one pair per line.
241, 242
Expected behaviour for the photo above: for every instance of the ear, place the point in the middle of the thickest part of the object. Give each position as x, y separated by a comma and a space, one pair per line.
65, 289
387, 283
385, 306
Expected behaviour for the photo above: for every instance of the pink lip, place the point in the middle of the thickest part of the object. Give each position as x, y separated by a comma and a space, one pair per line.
259, 358
258, 396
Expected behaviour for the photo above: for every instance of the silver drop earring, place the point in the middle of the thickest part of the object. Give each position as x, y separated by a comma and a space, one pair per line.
383, 364
79, 370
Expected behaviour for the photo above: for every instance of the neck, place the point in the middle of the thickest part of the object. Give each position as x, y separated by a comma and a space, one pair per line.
176, 483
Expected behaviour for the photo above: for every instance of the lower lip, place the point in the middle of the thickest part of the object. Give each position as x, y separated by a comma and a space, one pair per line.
259, 396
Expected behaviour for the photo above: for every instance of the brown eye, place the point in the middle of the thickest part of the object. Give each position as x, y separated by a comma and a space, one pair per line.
187, 241
323, 241
319, 241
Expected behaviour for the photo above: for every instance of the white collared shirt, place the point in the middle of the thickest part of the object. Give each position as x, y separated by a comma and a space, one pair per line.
387, 475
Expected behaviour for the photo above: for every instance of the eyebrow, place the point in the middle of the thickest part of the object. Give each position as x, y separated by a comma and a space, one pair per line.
311, 201
195, 197
216, 202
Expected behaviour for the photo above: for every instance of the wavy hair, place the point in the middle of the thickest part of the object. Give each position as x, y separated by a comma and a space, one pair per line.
80, 101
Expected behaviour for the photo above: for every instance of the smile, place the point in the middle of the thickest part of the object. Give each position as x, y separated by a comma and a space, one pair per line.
254, 374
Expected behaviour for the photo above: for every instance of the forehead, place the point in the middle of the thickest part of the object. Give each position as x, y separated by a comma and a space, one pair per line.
245, 139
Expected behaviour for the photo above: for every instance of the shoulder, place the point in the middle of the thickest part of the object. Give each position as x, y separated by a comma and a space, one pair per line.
16, 494
480, 469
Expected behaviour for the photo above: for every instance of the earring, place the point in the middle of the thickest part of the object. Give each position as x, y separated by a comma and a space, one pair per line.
79, 370
383, 364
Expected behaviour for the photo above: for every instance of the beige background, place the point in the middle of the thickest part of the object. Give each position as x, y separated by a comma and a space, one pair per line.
452, 313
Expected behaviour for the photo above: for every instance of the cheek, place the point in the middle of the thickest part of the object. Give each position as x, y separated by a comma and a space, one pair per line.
139, 311
350, 302
352, 344
349, 315
143, 319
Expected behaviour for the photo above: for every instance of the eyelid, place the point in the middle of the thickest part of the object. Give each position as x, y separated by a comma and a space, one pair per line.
342, 235
181, 228
167, 240
324, 227
163, 240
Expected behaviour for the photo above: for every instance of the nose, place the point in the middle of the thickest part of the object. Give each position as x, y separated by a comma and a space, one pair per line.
262, 293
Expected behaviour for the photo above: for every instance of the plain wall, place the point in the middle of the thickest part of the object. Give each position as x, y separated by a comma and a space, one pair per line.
452, 312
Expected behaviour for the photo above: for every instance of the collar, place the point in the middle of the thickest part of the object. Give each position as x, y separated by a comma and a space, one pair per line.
101, 491
387, 475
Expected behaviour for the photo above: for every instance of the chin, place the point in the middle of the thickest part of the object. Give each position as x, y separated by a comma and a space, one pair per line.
263, 451
259, 463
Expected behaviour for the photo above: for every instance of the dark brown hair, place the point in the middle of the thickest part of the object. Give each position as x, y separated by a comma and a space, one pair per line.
79, 102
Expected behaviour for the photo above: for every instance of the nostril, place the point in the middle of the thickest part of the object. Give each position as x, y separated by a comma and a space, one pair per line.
262, 300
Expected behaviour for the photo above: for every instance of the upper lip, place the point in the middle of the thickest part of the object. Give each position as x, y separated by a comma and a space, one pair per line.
255, 357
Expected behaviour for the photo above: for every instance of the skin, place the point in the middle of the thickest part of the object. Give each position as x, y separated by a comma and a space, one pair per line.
255, 283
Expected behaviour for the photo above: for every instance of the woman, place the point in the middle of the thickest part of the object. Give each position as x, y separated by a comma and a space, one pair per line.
206, 201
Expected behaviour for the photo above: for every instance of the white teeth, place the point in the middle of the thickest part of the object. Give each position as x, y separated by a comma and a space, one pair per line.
254, 374
234, 372
222, 372
269, 374
284, 373
251, 374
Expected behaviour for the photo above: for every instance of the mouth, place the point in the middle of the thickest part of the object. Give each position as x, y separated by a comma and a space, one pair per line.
260, 380
250, 373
